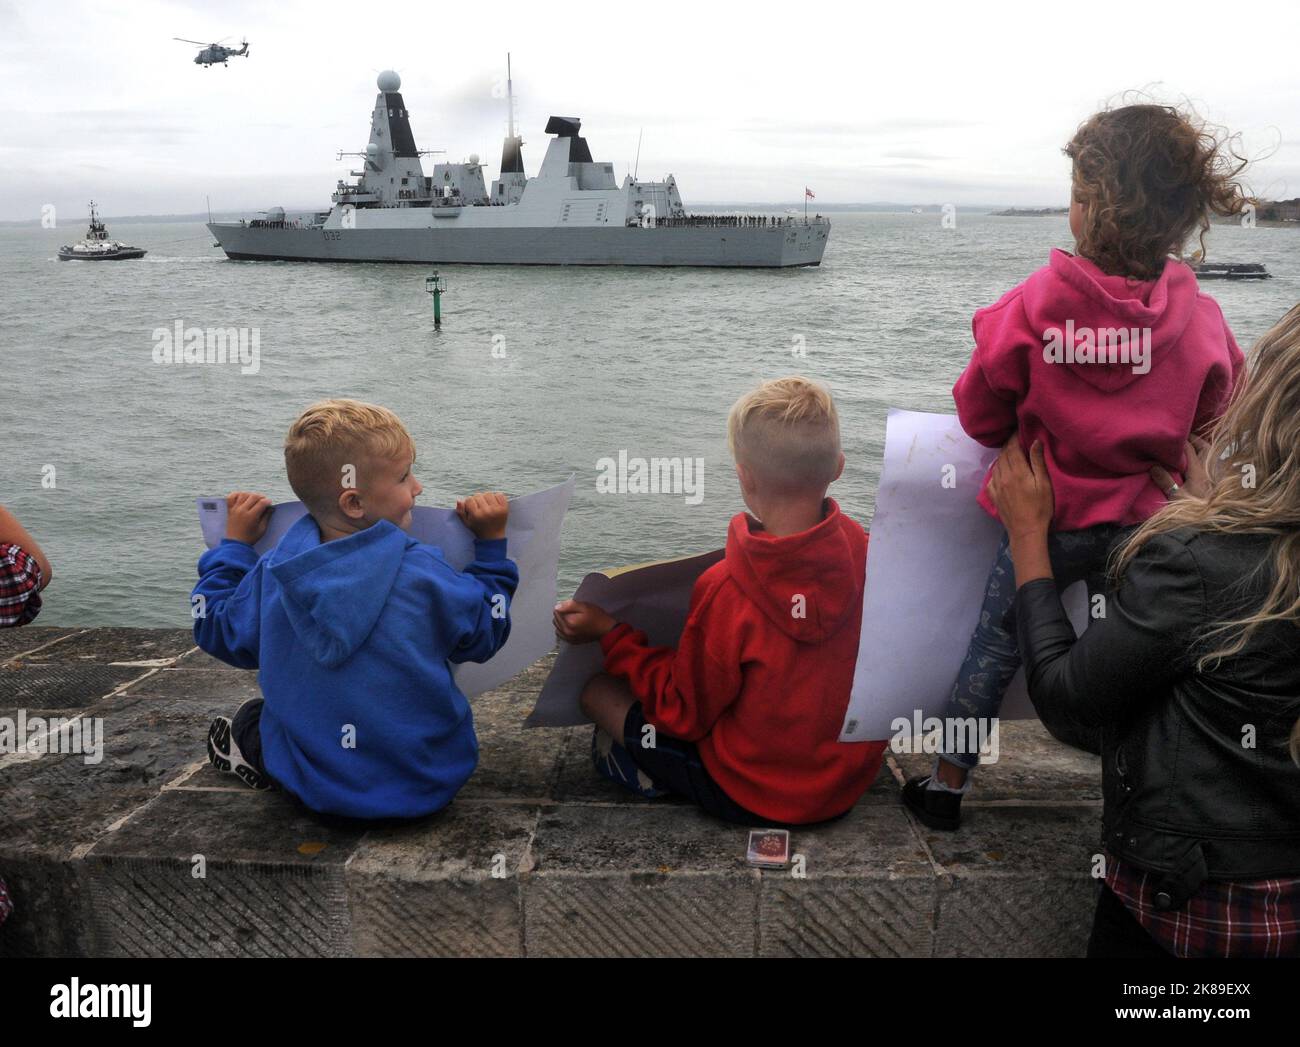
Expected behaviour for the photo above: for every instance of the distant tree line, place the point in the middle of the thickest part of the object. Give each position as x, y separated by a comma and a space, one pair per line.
1278, 210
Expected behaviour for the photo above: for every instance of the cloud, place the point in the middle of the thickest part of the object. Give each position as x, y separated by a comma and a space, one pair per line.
93, 128
930, 104
916, 154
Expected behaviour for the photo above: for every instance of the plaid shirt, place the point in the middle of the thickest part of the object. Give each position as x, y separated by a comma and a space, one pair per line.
20, 584
1230, 919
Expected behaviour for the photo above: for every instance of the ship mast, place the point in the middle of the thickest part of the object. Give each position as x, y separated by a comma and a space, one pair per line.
510, 98
510, 185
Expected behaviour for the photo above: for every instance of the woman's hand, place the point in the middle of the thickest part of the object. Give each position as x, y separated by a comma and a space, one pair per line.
1022, 491
1196, 481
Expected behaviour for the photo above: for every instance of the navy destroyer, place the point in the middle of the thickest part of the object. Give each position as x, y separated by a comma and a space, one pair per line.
572, 212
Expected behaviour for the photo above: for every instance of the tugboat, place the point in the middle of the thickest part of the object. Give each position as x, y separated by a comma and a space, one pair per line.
97, 247
1230, 271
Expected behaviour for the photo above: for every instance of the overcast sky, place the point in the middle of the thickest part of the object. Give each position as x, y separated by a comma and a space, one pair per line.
915, 103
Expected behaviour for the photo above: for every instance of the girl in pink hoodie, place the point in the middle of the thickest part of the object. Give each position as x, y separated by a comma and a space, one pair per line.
1110, 358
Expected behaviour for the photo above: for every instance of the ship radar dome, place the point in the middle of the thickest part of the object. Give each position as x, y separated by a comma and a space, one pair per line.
473, 159
389, 81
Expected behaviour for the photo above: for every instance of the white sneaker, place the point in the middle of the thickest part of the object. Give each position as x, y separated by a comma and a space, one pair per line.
225, 756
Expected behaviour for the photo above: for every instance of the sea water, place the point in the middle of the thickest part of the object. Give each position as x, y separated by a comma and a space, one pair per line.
535, 373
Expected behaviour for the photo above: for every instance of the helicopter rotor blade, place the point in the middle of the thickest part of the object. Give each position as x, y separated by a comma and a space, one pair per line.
184, 41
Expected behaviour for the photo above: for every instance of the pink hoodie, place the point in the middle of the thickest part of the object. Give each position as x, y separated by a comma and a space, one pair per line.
1102, 424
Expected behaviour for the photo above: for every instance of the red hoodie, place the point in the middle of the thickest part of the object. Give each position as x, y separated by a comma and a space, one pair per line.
1103, 425
760, 679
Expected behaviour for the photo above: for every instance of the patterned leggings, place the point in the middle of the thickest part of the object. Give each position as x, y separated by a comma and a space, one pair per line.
993, 655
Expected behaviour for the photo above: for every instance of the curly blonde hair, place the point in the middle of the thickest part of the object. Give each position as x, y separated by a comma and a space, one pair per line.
1149, 177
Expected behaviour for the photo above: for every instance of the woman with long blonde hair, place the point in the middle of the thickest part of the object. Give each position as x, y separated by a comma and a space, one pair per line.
1193, 676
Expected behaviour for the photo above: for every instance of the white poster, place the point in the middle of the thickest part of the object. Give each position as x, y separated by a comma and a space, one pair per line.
930, 553
532, 541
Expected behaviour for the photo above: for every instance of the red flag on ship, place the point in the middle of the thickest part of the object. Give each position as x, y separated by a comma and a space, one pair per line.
808, 193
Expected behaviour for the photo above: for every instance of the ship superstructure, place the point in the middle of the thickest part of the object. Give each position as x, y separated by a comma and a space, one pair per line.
573, 212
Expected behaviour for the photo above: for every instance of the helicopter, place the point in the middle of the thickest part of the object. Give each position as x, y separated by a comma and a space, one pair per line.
213, 53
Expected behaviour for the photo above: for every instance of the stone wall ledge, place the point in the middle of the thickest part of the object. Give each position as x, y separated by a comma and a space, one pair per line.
538, 856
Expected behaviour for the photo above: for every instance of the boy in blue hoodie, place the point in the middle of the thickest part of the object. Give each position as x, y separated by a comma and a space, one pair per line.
352, 625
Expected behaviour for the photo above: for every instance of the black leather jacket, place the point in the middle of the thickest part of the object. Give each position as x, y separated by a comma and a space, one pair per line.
1197, 779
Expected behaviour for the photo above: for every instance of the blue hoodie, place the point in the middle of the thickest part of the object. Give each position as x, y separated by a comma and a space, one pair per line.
352, 639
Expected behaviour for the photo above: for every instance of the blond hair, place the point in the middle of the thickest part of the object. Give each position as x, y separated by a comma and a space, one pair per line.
330, 436
1254, 486
787, 432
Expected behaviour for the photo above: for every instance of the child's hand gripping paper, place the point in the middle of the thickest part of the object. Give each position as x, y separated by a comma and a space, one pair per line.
579, 622
485, 514
247, 516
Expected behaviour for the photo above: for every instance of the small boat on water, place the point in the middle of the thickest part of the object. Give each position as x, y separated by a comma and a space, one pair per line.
1230, 271
97, 247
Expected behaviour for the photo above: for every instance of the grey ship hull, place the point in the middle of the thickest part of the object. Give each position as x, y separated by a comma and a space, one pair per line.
795, 244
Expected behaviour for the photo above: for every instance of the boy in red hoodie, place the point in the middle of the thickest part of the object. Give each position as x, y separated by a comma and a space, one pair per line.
744, 715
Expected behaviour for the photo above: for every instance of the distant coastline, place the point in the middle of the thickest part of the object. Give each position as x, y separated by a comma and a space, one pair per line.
1272, 214
1268, 213
1030, 212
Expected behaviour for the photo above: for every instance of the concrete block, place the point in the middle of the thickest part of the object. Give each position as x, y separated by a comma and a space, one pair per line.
197, 659
445, 886
61, 685
869, 889
150, 740
51, 916
14, 643
272, 883
234, 688
104, 646
655, 881
1017, 882
513, 762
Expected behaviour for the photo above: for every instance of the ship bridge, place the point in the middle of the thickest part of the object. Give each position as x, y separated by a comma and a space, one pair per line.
391, 174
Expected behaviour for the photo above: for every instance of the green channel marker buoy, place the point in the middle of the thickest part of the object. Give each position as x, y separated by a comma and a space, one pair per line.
435, 288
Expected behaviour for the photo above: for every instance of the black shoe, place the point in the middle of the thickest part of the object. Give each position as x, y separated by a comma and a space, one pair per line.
932, 807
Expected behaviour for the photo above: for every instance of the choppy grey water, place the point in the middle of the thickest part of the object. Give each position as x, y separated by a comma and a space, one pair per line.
595, 361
